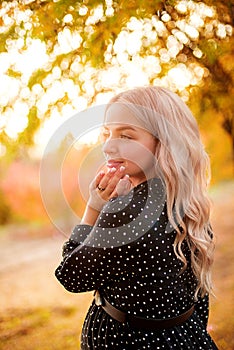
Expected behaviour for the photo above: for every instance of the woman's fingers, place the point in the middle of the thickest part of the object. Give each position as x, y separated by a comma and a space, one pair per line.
108, 185
114, 176
99, 177
106, 179
122, 187
96, 180
96, 201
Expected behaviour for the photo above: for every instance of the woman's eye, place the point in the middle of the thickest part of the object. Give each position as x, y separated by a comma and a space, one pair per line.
125, 137
105, 134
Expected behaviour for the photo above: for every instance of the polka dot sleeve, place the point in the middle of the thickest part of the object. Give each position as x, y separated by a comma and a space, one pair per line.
95, 255
78, 235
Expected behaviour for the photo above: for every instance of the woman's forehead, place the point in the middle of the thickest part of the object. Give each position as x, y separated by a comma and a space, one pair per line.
121, 115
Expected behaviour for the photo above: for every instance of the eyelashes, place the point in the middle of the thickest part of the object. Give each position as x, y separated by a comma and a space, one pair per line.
125, 137
105, 135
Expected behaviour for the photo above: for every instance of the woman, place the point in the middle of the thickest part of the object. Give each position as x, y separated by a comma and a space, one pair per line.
144, 243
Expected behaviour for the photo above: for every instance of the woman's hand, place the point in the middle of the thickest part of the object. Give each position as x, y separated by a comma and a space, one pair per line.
105, 186
108, 185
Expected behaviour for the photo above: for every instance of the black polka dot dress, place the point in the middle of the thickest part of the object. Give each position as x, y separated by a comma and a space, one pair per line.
128, 256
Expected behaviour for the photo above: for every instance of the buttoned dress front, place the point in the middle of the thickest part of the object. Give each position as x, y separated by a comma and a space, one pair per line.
129, 257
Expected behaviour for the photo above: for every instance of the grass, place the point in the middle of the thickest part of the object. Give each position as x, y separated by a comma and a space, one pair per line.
40, 328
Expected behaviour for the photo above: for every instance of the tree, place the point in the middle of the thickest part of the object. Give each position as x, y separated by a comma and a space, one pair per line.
84, 40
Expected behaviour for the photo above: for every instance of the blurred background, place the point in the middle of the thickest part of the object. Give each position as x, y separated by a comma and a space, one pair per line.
58, 58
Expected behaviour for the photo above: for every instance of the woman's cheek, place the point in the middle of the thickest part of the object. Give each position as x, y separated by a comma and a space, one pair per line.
135, 154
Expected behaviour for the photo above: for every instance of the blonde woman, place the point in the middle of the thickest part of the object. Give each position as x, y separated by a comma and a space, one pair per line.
145, 245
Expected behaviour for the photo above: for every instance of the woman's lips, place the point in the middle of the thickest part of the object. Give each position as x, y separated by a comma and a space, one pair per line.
113, 163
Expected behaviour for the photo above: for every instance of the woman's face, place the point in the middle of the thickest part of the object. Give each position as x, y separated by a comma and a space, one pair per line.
128, 144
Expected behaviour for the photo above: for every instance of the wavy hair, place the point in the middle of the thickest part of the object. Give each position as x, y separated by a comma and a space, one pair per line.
184, 167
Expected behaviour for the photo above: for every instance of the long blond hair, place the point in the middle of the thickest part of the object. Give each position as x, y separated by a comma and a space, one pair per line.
184, 167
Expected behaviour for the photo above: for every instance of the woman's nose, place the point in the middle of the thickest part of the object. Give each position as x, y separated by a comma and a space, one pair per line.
110, 146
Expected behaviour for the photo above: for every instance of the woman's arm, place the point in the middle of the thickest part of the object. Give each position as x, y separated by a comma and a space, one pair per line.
92, 262
116, 183
87, 261
90, 216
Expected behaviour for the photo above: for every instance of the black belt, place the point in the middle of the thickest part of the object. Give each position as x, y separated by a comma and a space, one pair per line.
140, 322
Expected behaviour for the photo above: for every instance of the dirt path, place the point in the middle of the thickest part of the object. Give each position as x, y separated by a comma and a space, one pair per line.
27, 273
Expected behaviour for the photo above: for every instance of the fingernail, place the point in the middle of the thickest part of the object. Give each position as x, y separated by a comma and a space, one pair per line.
126, 176
122, 168
112, 170
102, 172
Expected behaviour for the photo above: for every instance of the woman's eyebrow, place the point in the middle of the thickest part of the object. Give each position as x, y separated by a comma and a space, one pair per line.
121, 128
